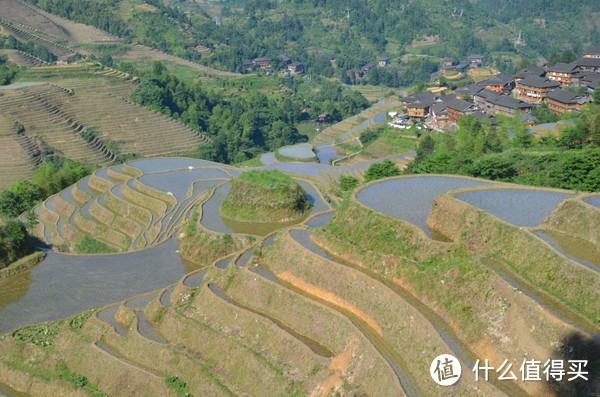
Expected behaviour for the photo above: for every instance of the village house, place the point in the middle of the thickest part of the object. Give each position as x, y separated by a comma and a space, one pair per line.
493, 102
457, 108
535, 71
534, 89
561, 101
561, 72
439, 115
247, 64
447, 61
383, 61
62, 61
417, 105
367, 67
295, 68
588, 65
323, 117
592, 52
501, 83
466, 93
475, 60
261, 62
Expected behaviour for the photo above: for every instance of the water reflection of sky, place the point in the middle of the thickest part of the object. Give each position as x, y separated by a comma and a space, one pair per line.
63, 285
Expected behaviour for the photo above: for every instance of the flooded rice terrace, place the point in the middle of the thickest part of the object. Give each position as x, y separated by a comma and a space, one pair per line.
396, 197
64, 285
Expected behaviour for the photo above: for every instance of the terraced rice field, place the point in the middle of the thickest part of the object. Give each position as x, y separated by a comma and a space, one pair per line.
290, 314
131, 211
353, 126
22, 58
410, 199
54, 115
140, 53
521, 207
64, 285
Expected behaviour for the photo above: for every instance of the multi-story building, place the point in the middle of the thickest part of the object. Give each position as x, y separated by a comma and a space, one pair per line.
561, 101
561, 72
534, 89
592, 52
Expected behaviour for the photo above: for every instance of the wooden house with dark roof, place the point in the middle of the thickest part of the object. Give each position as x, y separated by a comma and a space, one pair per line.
285, 60
418, 105
588, 65
561, 72
466, 93
502, 83
535, 71
439, 115
475, 60
493, 102
561, 101
458, 108
296, 68
261, 62
383, 61
534, 89
592, 51
367, 67
446, 61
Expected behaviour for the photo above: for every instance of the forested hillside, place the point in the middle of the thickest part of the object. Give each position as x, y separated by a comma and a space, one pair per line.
354, 32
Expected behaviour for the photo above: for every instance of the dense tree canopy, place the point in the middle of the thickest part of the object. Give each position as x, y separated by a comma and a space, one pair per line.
570, 162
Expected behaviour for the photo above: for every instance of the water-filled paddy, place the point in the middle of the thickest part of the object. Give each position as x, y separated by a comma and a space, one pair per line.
573, 248
303, 238
521, 207
299, 168
108, 316
268, 158
64, 285
245, 258
595, 201
324, 154
147, 330
169, 164
300, 151
139, 302
179, 182
410, 199
195, 280
265, 273
223, 263
320, 221
210, 211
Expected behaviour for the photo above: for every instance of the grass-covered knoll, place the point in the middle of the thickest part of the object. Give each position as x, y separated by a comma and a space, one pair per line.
264, 196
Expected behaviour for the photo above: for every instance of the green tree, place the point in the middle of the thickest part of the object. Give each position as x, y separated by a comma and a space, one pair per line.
384, 169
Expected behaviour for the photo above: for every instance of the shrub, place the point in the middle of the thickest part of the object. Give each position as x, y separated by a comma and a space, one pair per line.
381, 170
348, 182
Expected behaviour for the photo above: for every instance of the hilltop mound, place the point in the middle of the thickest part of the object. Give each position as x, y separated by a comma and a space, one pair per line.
264, 196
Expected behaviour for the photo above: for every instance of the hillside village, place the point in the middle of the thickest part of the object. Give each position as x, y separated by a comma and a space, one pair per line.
563, 87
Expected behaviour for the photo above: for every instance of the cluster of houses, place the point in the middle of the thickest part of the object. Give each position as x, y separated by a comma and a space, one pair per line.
295, 68
507, 95
448, 65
